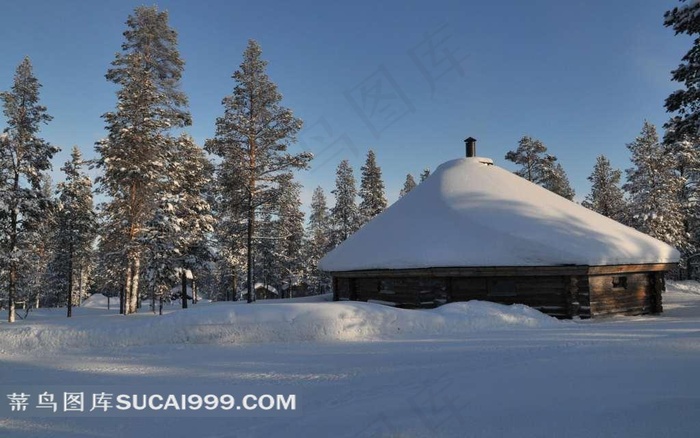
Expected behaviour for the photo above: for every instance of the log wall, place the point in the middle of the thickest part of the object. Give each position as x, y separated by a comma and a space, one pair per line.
563, 296
631, 294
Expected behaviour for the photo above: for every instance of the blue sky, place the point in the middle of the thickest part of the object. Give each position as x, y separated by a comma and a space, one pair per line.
409, 79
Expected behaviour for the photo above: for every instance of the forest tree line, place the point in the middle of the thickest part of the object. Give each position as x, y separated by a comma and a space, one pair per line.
175, 216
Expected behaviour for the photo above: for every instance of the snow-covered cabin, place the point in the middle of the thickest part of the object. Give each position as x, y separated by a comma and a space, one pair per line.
265, 291
474, 230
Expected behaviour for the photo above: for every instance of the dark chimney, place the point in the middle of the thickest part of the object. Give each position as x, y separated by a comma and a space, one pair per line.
471, 146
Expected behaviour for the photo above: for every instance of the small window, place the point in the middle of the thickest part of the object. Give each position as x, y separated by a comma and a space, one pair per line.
619, 282
386, 287
503, 288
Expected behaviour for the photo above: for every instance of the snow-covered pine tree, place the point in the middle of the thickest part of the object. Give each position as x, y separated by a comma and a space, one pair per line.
76, 228
685, 102
683, 129
530, 155
36, 246
252, 137
110, 264
686, 153
191, 183
539, 167
344, 215
408, 185
176, 236
555, 180
229, 201
135, 155
653, 187
606, 196
266, 265
424, 174
373, 198
290, 235
319, 237
162, 255
24, 159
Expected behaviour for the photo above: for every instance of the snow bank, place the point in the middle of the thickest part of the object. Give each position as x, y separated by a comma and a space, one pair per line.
229, 323
99, 301
686, 286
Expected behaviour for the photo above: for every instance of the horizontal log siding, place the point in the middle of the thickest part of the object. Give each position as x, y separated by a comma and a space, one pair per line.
563, 296
635, 298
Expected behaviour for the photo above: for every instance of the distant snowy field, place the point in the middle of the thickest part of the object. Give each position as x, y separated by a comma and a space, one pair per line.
366, 370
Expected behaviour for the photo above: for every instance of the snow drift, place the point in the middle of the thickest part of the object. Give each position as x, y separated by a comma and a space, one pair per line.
230, 323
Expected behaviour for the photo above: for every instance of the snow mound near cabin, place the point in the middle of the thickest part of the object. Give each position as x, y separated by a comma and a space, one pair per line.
227, 323
99, 301
685, 286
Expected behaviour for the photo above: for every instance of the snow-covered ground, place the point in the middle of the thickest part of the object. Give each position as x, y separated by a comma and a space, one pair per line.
359, 369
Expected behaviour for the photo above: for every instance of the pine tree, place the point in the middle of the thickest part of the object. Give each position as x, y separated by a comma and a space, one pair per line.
192, 185
555, 180
176, 237
344, 215
653, 188
539, 167
424, 174
683, 129
76, 228
290, 235
162, 250
685, 151
319, 238
252, 138
371, 189
24, 159
34, 274
531, 156
408, 185
229, 202
135, 155
606, 196
685, 102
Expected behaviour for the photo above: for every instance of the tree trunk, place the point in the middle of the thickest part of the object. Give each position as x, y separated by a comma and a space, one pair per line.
126, 294
153, 300
251, 229
194, 292
122, 300
11, 292
184, 288
12, 287
132, 302
80, 284
234, 286
70, 279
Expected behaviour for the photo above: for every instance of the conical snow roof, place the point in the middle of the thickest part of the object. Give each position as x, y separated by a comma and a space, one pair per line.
470, 213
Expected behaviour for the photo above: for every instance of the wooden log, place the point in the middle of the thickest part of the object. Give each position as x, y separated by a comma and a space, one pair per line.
507, 271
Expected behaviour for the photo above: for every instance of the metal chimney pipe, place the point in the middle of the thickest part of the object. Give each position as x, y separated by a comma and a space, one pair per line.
471, 146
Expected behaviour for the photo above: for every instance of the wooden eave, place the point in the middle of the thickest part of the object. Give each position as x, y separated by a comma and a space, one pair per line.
507, 271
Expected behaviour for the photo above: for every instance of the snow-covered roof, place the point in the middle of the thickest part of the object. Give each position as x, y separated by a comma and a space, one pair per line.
266, 286
470, 212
